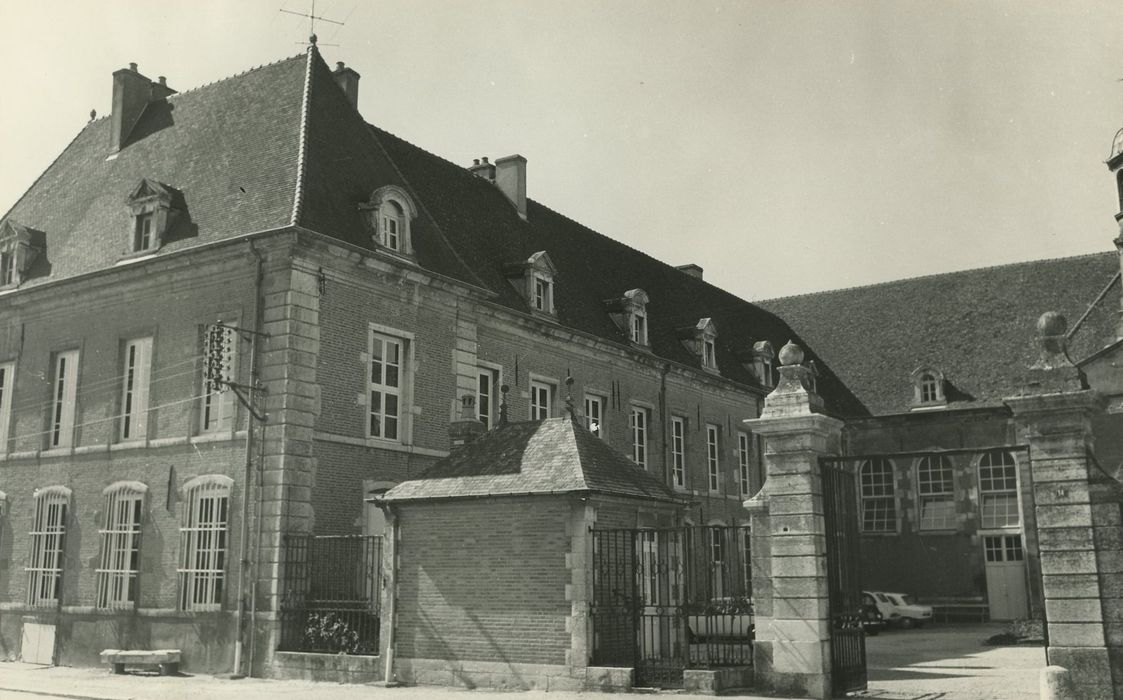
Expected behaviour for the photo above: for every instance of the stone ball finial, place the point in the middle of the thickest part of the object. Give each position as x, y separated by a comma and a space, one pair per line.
791, 354
1051, 323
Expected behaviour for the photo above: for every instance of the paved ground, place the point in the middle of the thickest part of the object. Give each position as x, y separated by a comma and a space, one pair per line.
949, 662
943, 662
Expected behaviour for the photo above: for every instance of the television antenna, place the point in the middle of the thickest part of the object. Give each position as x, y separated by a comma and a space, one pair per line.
311, 16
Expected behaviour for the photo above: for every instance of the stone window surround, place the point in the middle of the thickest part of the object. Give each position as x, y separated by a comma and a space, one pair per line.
373, 214
926, 380
525, 277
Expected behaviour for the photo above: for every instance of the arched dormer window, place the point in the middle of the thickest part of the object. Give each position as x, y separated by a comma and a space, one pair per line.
534, 278
928, 387
701, 339
389, 214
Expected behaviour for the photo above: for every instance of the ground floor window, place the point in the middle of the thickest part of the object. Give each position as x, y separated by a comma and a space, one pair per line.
203, 534
47, 537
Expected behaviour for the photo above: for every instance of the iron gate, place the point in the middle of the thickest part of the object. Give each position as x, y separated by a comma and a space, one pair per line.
665, 600
848, 642
332, 589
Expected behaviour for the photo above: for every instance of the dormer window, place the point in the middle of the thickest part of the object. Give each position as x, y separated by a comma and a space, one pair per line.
701, 339
388, 214
20, 247
534, 278
928, 388
155, 207
629, 313
762, 356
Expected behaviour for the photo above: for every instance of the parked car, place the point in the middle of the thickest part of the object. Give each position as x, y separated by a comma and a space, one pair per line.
901, 609
872, 619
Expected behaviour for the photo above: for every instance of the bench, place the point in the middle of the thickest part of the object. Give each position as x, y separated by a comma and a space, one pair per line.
166, 659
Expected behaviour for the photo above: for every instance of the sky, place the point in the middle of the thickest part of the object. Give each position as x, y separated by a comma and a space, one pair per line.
785, 147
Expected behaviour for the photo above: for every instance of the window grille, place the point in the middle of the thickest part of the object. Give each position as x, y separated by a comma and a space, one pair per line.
134, 392
998, 486
936, 488
879, 503
48, 535
639, 436
202, 544
120, 546
744, 456
712, 457
678, 450
387, 366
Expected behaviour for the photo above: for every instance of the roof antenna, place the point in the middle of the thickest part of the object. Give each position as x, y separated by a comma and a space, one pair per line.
312, 17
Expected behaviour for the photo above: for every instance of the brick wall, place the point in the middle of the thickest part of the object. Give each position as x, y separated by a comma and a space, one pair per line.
484, 580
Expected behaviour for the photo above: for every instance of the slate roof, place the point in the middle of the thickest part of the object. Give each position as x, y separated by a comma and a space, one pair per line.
280, 145
976, 326
553, 456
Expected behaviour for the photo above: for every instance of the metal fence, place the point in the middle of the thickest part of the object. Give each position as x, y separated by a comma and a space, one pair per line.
669, 599
330, 599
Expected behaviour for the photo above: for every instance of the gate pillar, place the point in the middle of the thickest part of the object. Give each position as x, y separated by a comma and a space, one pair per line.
793, 633
1077, 508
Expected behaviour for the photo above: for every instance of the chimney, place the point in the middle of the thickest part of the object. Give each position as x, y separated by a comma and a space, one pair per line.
131, 94
348, 81
468, 426
485, 170
510, 176
691, 269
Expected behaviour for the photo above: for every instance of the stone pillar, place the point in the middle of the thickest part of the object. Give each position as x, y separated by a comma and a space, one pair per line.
793, 633
1077, 508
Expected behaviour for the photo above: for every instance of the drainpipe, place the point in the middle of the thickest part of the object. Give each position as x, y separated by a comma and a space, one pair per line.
667, 478
247, 478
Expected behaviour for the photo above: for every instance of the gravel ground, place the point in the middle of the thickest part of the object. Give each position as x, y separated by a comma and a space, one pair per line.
950, 662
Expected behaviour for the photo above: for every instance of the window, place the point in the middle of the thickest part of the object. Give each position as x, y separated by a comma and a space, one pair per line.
134, 392
639, 327
202, 542
701, 340
64, 392
543, 294
639, 423
143, 238
389, 213
998, 486
678, 451
928, 387
7, 385
487, 387
7, 267
386, 386
708, 354
48, 533
744, 461
541, 400
1003, 548
762, 357
937, 493
594, 414
216, 407
879, 503
120, 545
716, 542
712, 456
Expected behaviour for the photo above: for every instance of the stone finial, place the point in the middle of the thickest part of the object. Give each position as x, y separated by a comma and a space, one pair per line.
1053, 372
569, 396
791, 354
503, 404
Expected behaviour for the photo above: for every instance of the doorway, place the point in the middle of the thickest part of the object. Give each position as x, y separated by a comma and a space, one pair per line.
1006, 576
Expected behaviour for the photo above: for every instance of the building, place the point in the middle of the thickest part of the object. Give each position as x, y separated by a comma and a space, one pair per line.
361, 289
369, 297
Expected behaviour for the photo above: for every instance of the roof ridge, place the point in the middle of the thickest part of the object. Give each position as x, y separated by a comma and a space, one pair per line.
302, 143
931, 276
263, 66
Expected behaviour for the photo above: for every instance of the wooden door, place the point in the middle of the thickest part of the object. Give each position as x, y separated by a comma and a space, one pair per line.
1006, 576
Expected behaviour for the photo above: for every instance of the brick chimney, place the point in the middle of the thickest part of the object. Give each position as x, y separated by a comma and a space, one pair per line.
510, 176
131, 94
348, 81
690, 269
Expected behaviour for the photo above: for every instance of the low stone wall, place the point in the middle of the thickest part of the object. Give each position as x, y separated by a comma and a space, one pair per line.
334, 668
497, 675
716, 681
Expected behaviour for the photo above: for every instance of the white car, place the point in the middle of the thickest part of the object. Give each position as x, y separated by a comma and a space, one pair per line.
901, 609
